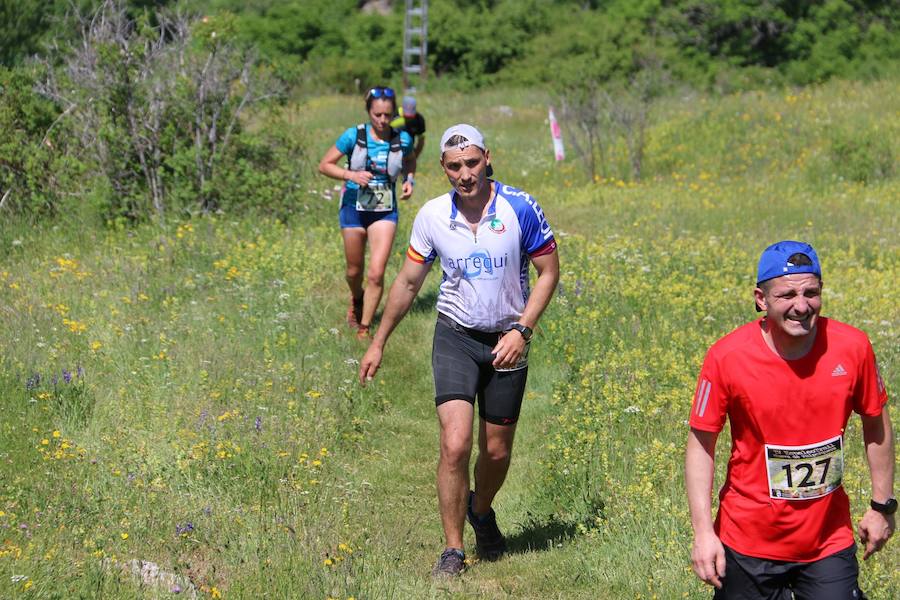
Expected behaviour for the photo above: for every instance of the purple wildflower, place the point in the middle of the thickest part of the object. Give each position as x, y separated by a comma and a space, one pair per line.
186, 528
33, 382
258, 424
80, 371
67, 375
176, 589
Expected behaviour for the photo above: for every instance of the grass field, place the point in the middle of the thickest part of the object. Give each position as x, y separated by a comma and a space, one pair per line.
185, 395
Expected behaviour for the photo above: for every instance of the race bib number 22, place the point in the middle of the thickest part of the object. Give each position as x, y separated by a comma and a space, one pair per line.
805, 472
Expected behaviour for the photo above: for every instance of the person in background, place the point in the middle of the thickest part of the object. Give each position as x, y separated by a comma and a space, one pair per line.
377, 157
787, 383
412, 122
484, 235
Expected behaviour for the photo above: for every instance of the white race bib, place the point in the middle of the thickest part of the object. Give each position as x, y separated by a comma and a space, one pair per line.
375, 198
805, 472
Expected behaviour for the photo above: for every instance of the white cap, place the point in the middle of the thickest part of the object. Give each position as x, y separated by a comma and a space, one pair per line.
472, 136
409, 106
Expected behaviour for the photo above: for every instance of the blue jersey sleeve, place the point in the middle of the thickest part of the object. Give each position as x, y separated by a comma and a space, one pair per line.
537, 237
346, 142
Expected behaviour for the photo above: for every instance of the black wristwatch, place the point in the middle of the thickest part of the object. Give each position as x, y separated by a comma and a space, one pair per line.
523, 329
888, 508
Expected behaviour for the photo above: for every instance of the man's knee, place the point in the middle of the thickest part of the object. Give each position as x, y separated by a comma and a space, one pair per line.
498, 451
456, 449
375, 276
353, 272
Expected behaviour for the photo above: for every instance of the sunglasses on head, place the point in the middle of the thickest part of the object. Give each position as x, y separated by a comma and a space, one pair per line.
380, 92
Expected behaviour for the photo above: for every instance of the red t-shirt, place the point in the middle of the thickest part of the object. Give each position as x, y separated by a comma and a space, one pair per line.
782, 498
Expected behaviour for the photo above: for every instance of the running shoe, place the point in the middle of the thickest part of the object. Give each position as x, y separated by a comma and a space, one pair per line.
489, 542
451, 563
354, 313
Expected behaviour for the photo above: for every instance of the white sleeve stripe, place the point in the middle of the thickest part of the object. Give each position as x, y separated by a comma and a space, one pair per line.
705, 387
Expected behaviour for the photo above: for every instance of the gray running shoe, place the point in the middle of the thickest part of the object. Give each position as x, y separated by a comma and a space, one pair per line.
451, 563
489, 542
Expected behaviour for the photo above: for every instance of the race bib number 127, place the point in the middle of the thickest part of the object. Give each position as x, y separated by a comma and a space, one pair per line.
805, 472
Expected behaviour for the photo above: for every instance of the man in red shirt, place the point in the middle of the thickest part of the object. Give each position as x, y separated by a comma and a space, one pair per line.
787, 384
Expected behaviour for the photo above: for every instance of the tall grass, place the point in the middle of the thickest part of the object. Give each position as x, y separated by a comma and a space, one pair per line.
186, 396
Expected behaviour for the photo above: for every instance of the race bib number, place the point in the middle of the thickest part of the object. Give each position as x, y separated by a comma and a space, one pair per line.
522, 362
805, 472
375, 198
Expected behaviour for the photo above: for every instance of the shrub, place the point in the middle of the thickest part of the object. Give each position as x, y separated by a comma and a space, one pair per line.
158, 103
36, 169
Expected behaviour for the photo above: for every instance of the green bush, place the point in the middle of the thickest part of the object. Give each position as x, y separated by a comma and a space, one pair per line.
524, 42
344, 75
160, 104
37, 171
261, 172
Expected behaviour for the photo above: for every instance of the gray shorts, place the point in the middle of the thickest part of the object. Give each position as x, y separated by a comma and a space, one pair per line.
461, 361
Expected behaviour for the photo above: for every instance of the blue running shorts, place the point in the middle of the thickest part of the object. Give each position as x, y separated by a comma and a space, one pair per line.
350, 217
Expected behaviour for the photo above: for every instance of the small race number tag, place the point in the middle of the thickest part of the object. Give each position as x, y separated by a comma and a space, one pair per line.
805, 472
375, 198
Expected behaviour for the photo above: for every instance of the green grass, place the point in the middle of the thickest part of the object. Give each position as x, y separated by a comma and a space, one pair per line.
218, 430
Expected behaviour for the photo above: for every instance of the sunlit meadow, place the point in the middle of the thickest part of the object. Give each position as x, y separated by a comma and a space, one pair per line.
179, 414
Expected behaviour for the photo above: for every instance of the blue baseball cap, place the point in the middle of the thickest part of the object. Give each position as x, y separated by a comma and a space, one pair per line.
775, 261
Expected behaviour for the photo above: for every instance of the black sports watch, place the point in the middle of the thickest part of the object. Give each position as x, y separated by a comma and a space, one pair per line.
887, 508
523, 329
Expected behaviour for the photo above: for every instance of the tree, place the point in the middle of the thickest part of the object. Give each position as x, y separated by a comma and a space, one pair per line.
156, 100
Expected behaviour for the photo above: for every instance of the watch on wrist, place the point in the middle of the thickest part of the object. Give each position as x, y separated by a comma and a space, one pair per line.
889, 507
523, 329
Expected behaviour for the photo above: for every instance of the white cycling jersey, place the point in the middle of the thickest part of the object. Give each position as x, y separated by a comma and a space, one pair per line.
485, 274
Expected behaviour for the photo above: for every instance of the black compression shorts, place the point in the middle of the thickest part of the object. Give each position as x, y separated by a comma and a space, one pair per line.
831, 578
461, 361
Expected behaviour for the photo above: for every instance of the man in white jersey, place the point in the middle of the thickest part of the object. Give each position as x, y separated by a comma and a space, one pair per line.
484, 233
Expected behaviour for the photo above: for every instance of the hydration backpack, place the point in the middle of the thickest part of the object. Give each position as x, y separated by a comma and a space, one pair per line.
360, 155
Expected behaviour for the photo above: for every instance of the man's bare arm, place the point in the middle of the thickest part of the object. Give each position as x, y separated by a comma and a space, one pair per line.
403, 291
875, 529
708, 554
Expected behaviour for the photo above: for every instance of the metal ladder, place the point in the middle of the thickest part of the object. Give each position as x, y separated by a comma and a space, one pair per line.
415, 44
